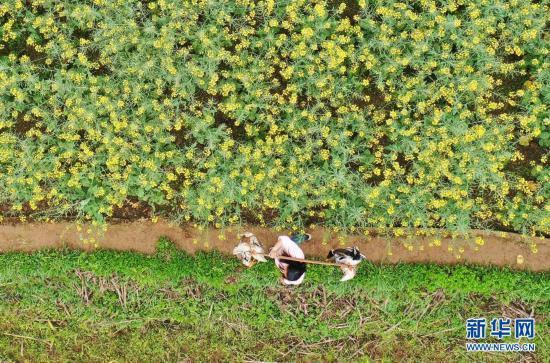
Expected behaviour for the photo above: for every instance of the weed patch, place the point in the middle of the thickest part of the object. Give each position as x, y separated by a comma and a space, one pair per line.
66, 305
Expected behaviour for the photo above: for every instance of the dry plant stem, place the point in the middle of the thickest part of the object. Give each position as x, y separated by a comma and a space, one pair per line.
307, 261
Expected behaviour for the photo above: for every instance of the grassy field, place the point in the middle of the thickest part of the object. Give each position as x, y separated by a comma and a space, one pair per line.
102, 306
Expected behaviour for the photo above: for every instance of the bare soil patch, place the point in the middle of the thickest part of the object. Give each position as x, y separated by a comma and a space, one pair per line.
510, 250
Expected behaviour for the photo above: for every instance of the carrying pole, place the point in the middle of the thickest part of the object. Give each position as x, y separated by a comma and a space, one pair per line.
286, 258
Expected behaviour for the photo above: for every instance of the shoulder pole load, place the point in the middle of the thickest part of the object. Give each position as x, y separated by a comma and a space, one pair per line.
250, 251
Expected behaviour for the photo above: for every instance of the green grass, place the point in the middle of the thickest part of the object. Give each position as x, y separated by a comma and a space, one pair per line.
113, 306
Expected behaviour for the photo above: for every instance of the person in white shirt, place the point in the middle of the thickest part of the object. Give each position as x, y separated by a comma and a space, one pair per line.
292, 272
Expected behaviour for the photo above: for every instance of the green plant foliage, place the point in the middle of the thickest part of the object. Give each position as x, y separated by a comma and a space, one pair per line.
373, 113
166, 249
58, 306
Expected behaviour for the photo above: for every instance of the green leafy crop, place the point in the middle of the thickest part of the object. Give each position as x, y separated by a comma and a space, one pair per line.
359, 114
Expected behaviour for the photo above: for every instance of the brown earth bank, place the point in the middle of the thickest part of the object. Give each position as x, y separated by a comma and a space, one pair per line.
498, 249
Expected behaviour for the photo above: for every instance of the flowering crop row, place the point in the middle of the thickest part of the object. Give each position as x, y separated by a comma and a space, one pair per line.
378, 113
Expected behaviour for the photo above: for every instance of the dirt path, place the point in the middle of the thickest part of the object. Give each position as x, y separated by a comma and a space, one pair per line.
142, 236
